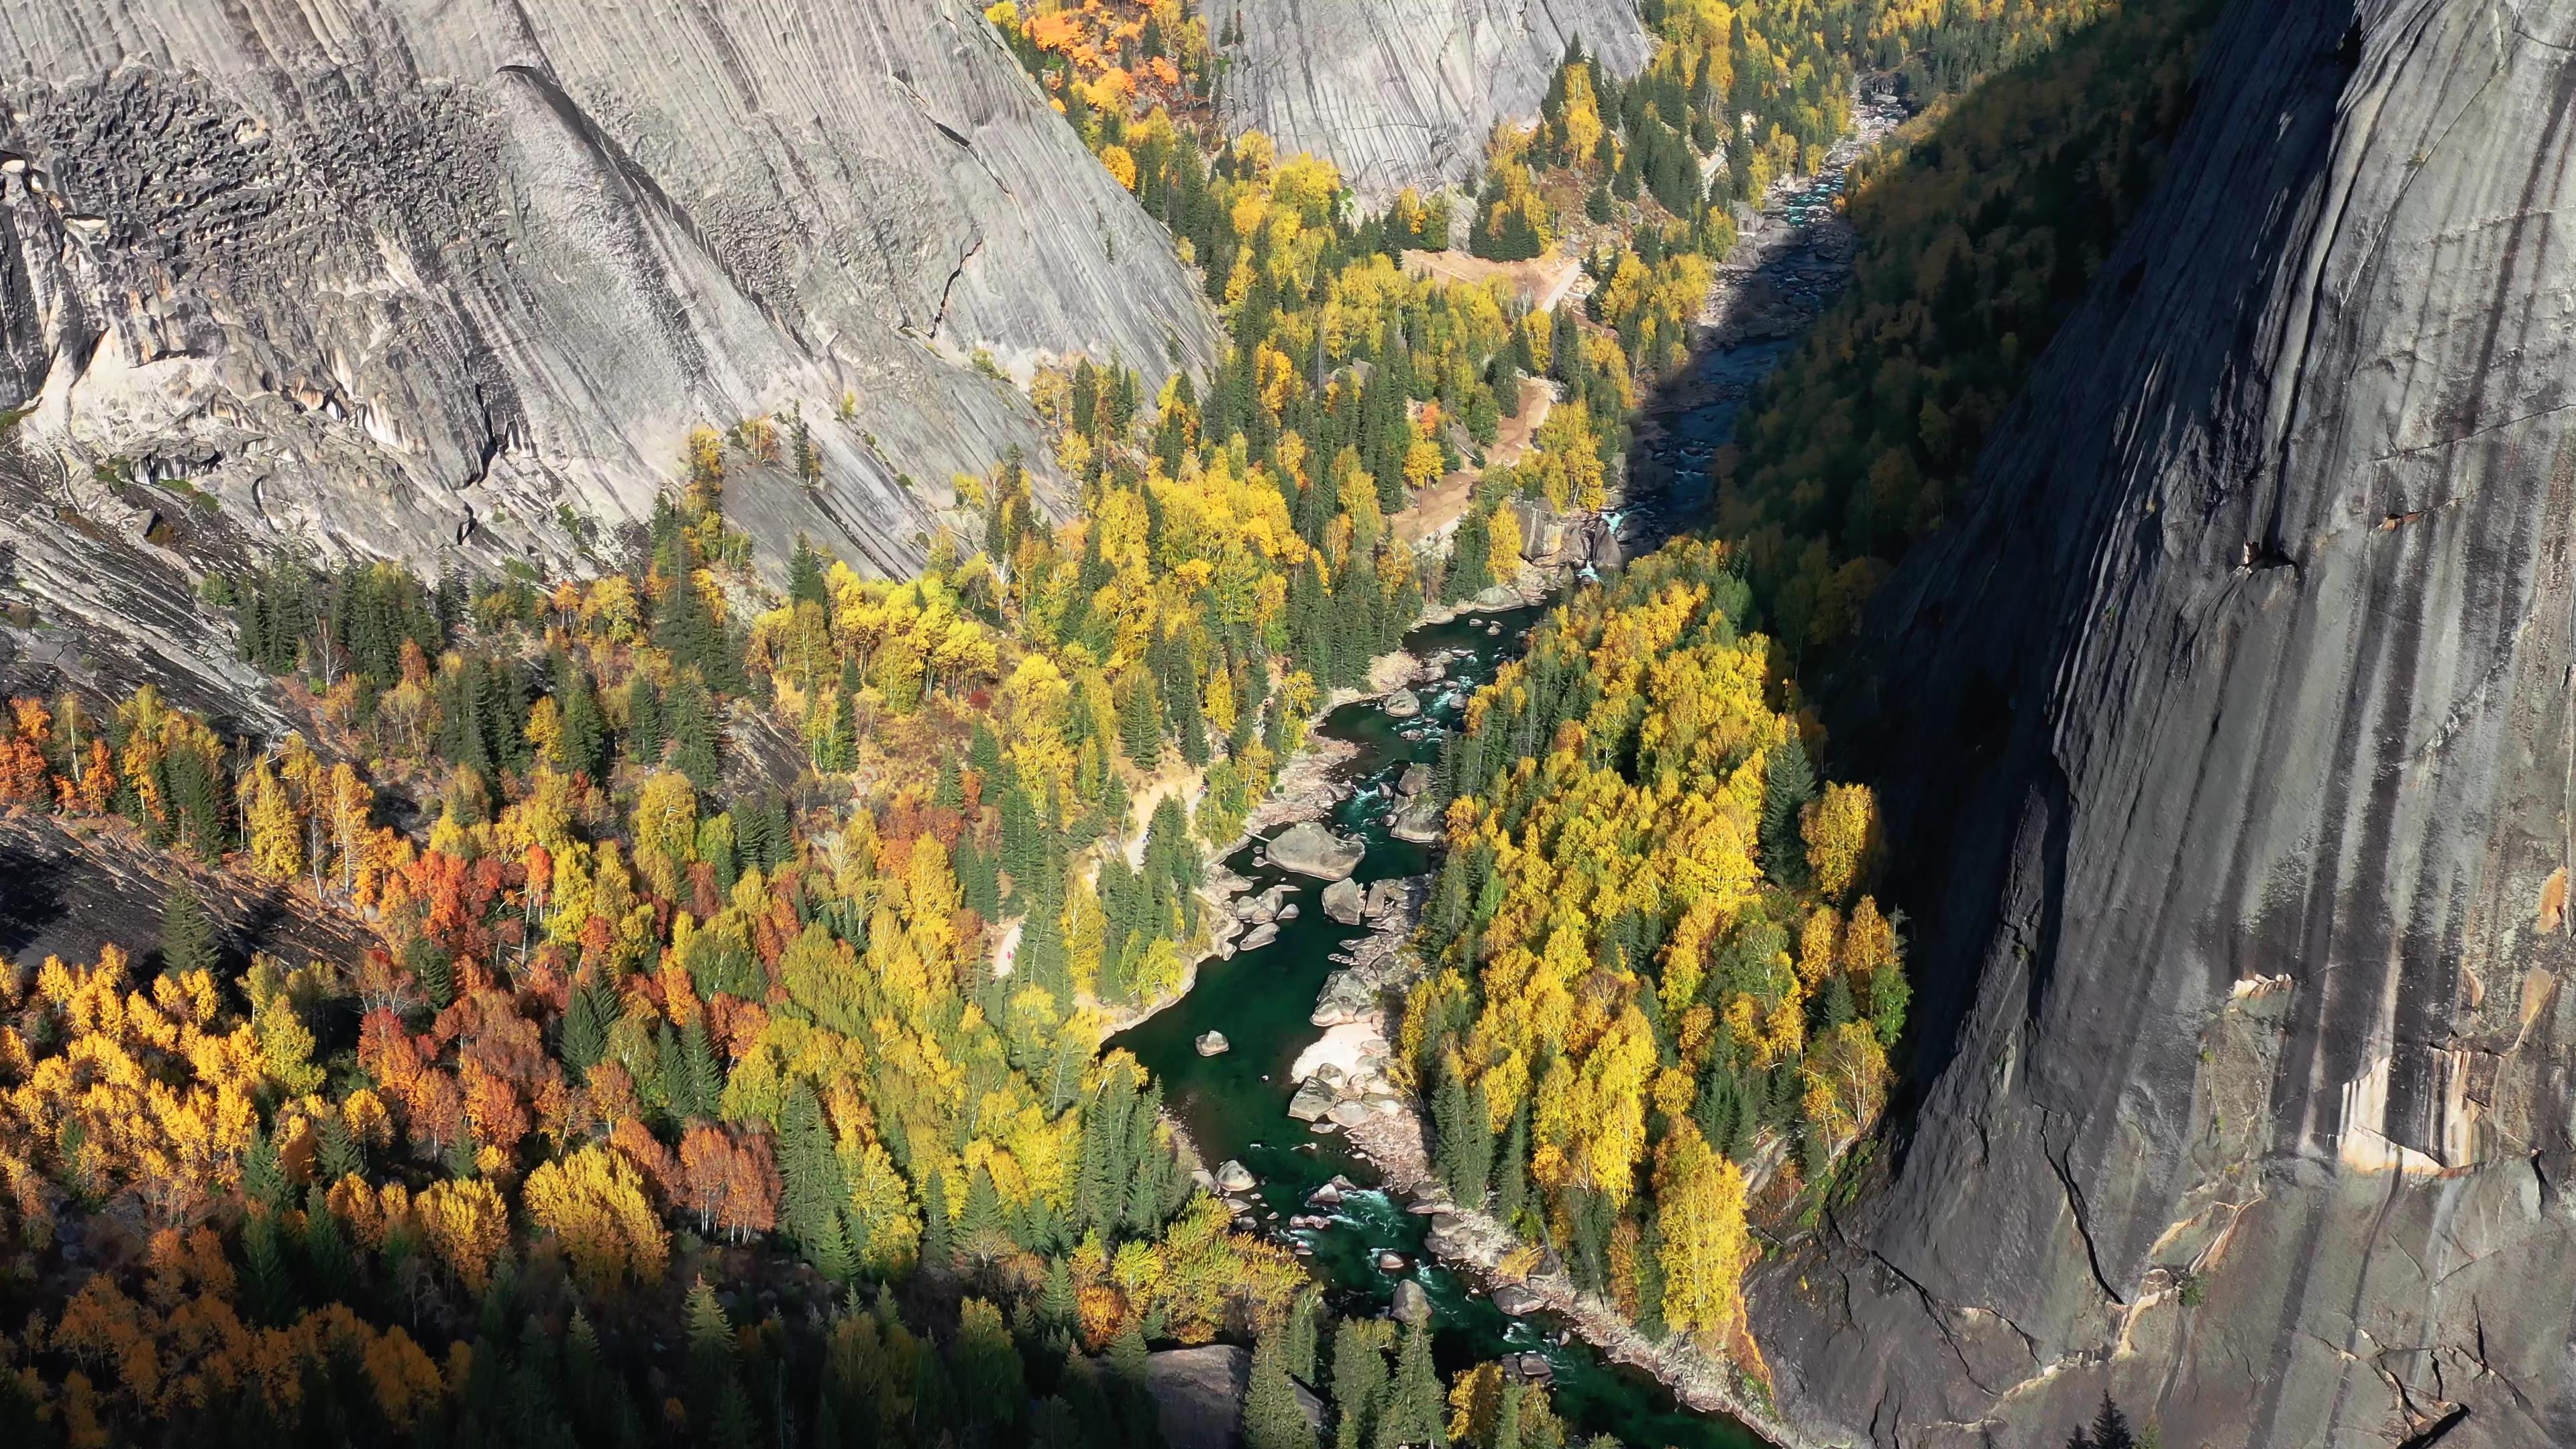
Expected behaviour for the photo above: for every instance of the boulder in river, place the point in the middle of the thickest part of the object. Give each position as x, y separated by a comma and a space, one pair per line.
1344, 902
1419, 821
1309, 849
1385, 898
1258, 937
1390, 1262
1313, 1100
1514, 1300
1288, 912
1402, 704
1233, 1176
1212, 1044
1415, 779
1412, 1305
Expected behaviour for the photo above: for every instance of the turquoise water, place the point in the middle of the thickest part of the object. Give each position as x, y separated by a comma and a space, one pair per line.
1236, 1105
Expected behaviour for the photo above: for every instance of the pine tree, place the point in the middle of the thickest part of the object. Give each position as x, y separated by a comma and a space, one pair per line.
187, 937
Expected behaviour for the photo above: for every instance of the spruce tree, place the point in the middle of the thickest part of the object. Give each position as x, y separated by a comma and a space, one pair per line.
935, 1248
1359, 1380
1788, 783
805, 575
1272, 1417
706, 1073
187, 936
585, 1035
693, 729
328, 1261
814, 1189
339, 1151
644, 736
585, 728
1414, 1402
711, 1344
670, 1070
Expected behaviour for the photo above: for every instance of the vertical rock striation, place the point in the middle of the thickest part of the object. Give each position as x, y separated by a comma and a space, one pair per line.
1403, 92
2227, 752
452, 281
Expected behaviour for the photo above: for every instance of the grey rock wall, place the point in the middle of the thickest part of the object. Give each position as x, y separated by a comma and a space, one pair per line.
450, 280
1403, 92
2230, 767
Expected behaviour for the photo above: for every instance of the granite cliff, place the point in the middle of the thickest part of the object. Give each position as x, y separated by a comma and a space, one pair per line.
452, 282
2227, 751
1403, 92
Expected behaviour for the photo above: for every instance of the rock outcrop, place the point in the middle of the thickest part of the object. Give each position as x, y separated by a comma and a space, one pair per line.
1309, 849
1403, 92
2226, 750
452, 283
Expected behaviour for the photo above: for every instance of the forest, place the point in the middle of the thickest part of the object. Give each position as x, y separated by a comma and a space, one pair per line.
728, 1064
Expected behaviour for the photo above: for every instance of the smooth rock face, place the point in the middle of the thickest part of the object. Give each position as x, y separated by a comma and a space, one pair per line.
1404, 92
1311, 850
2226, 753
1344, 902
452, 282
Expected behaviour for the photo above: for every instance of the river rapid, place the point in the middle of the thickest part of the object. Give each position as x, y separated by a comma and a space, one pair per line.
1234, 1105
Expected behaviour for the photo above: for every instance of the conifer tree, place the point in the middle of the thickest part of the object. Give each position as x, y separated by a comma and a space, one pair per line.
1359, 1380
935, 1247
705, 1073
1272, 1417
644, 736
694, 738
187, 936
585, 1034
1788, 783
1412, 1415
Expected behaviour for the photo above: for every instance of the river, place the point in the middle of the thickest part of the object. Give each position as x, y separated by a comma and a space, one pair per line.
1234, 1105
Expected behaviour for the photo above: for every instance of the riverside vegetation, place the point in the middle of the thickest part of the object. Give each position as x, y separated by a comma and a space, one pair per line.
685, 1097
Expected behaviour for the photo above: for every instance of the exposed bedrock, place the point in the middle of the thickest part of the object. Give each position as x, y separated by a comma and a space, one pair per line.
452, 281
2227, 756
1403, 92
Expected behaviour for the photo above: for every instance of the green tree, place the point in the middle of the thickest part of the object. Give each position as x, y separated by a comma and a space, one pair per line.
1272, 1417
187, 936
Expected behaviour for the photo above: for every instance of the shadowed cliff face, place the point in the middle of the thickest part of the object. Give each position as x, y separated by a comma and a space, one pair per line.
2227, 757
451, 281
1404, 92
